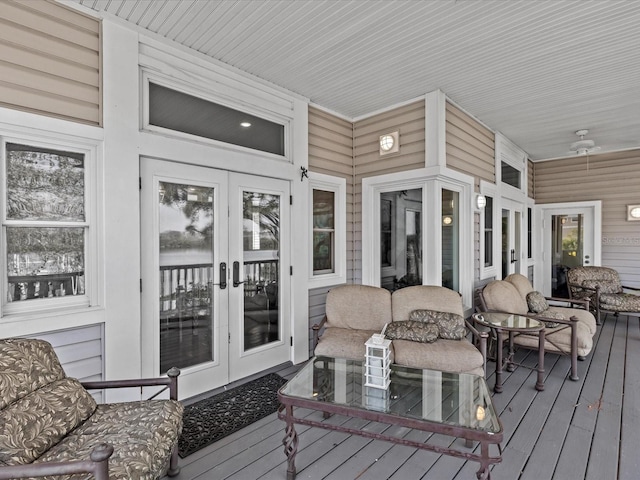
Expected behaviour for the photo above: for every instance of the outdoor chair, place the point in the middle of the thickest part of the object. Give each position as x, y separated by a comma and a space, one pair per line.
50, 425
568, 331
602, 287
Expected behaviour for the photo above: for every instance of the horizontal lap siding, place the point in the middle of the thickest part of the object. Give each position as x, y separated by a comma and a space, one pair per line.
409, 121
50, 60
471, 150
612, 178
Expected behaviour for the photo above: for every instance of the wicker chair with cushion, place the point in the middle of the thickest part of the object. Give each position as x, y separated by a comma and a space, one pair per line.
51, 426
602, 287
568, 331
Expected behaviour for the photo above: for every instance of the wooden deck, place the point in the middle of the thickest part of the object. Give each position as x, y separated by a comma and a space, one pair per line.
589, 429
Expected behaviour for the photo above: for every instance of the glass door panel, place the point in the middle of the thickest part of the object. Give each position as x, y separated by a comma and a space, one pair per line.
185, 218
450, 239
567, 232
261, 268
401, 239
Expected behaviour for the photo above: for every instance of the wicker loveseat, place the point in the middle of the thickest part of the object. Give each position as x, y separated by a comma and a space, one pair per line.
51, 426
602, 287
569, 331
355, 312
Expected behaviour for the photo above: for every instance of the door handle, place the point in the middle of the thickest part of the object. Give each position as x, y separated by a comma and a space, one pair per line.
223, 276
513, 256
236, 274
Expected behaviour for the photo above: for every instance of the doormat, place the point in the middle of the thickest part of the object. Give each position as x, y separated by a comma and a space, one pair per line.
211, 419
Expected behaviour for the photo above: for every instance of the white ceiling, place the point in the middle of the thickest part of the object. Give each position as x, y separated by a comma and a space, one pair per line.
535, 70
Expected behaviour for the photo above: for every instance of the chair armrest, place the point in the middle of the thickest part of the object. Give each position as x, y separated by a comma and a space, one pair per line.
584, 303
97, 464
482, 343
171, 380
316, 331
636, 289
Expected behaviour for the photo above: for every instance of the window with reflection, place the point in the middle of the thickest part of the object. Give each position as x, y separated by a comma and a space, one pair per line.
450, 239
488, 233
401, 238
324, 231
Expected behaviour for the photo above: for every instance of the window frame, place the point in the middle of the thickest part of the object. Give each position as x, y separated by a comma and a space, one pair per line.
489, 190
13, 311
337, 185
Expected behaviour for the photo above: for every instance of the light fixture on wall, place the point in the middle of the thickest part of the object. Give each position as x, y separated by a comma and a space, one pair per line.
447, 220
481, 202
633, 213
389, 143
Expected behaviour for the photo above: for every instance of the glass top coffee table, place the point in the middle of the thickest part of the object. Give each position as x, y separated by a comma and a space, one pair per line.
456, 405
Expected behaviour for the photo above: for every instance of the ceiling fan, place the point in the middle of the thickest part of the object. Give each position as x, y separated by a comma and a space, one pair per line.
583, 146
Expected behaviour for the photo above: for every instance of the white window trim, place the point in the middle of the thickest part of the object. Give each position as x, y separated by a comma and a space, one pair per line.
432, 180
338, 185
489, 190
509, 153
91, 147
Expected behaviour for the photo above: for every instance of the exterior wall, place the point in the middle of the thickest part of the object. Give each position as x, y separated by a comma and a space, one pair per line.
470, 148
530, 179
50, 61
612, 178
409, 120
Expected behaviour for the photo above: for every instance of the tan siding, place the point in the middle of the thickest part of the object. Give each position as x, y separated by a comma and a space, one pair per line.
530, 180
470, 145
409, 120
612, 178
50, 60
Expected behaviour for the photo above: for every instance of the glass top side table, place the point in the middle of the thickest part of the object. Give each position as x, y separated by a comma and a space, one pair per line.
514, 325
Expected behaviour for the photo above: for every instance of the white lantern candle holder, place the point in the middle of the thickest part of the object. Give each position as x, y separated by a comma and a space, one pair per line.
377, 361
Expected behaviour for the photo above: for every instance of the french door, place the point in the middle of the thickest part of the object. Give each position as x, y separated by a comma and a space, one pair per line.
215, 279
512, 247
570, 238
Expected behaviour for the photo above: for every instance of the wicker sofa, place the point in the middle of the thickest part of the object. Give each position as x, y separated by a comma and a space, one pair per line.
51, 426
602, 287
569, 330
355, 312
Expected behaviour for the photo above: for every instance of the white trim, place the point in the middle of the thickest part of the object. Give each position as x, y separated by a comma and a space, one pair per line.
431, 181
338, 185
435, 137
489, 190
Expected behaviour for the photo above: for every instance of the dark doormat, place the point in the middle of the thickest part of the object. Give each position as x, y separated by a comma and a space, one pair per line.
211, 419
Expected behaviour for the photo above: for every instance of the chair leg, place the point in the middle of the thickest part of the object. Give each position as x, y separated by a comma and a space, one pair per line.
574, 350
174, 469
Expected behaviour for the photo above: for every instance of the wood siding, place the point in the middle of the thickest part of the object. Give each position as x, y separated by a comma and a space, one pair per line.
409, 121
470, 146
50, 60
612, 178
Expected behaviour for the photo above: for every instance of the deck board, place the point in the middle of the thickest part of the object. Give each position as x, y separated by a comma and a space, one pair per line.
583, 429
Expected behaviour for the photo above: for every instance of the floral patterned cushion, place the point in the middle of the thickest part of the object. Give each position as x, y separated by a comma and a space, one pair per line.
536, 302
412, 330
450, 325
605, 287
39, 420
621, 302
551, 314
142, 433
25, 366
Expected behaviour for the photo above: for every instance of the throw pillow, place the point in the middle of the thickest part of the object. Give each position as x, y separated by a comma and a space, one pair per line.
450, 325
552, 314
412, 330
536, 302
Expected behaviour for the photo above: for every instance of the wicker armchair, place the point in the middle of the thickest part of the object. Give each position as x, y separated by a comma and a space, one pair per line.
602, 287
51, 426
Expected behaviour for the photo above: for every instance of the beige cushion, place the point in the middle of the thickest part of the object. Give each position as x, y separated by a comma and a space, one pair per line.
344, 343
522, 284
503, 296
360, 307
458, 356
561, 337
441, 299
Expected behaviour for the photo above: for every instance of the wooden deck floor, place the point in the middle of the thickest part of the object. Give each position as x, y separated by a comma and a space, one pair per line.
589, 429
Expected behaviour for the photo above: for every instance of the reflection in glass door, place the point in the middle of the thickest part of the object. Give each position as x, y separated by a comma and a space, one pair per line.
567, 233
185, 217
401, 239
511, 242
260, 268
450, 239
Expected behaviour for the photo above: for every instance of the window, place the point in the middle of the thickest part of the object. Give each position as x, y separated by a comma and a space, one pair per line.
328, 230
510, 175
529, 233
44, 226
450, 239
181, 112
488, 233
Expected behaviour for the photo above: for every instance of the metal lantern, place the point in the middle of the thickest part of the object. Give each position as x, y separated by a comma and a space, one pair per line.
377, 362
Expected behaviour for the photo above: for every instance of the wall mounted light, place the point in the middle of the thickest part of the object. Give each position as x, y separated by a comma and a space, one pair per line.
633, 213
481, 202
447, 220
389, 143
